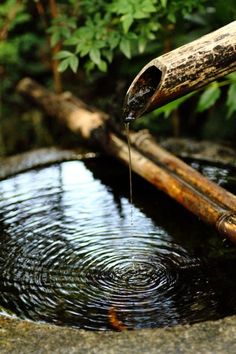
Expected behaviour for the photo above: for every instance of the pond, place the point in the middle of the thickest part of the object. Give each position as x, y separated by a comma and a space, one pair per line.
69, 254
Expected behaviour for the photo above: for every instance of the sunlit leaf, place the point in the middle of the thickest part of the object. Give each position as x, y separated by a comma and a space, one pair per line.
127, 21
74, 63
232, 77
63, 54
142, 45
148, 6
102, 66
125, 47
55, 38
231, 100
95, 55
108, 55
164, 3
113, 39
140, 14
71, 41
209, 97
172, 106
64, 64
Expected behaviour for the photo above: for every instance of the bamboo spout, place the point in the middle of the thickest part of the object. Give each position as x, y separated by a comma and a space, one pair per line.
182, 71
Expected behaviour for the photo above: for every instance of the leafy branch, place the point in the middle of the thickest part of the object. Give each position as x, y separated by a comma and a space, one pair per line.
119, 26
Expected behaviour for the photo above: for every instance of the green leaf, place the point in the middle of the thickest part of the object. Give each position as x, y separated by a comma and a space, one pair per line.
172, 106
102, 66
89, 66
71, 41
64, 64
55, 38
65, 32
140, 14
74, 63
208, 97
127, 21
232, 77
171, 17
95, 55
164, 3
125, 47
21, 18
63, 54
231, 100
108, 55
113, 39
142, 45
148, 6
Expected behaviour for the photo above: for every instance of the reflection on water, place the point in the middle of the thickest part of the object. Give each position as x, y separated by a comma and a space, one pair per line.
223, 176
68, 254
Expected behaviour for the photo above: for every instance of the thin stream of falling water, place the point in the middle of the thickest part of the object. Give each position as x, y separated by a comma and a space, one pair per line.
130, 173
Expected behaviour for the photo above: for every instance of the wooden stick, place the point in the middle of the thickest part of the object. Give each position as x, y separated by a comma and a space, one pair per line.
191, 198
182, 71
68, 110
90, 125
54, 50
145, 143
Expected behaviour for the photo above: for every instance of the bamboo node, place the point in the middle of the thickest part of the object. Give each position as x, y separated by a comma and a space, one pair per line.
226, 225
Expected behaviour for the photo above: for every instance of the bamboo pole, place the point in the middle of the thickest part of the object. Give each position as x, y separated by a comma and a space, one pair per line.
90, 125
191, 198
146, 144
182, 71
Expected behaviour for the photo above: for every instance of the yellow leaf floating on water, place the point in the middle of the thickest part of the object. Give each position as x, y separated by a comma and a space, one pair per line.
114, 321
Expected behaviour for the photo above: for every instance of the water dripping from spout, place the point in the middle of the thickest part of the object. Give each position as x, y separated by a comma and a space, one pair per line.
130, 173
140, 93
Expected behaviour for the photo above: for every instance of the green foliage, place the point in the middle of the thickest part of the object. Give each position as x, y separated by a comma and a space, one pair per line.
106, 28
169, 108
10, 50
61, 28
14, 9
129, 27
231, 96
209, 97
15, 46
68, 60
213, 92
92, 35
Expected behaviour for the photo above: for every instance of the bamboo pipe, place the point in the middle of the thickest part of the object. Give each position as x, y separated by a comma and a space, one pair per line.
146, 144
182, 71
90, 125
191, 198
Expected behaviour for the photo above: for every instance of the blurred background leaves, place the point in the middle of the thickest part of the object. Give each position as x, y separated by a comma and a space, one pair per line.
95, 48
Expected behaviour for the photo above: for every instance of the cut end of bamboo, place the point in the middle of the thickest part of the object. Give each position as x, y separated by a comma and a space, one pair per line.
141, 91
226, 225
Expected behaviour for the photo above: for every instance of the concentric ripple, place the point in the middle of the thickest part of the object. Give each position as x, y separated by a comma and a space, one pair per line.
68, 255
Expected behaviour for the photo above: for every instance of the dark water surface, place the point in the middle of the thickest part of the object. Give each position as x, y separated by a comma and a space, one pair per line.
69, 255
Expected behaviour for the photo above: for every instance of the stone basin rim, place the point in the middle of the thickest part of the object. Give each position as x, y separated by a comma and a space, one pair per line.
208, 152
23, 336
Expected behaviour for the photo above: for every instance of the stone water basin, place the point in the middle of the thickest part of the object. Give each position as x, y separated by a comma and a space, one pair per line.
71, 253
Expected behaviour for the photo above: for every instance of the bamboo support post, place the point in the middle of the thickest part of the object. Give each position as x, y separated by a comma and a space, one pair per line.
182, 71
208, 207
